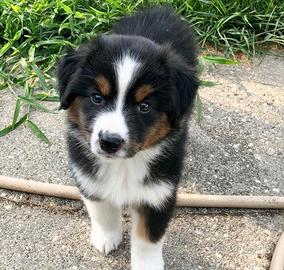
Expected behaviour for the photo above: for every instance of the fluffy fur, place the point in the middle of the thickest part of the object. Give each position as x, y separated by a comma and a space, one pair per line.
128, 97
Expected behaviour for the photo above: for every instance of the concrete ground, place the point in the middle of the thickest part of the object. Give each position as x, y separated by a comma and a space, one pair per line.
237, 149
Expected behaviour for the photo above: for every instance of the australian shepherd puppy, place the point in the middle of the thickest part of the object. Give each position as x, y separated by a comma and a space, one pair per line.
128, 97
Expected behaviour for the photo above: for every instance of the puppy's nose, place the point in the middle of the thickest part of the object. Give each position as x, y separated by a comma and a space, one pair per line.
110, 142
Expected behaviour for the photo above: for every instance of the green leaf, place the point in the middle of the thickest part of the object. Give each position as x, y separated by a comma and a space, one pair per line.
198, 107
27, 89
59, 42
46, 97
35, 104
218, 60
32, 53
6, 130
207, 83
17, 35
79, 15
16, 8
40, 76
3, 86
16, 112
22, 120
23, 63
67, 9
52, 98
10, 128
35, 129
5, 48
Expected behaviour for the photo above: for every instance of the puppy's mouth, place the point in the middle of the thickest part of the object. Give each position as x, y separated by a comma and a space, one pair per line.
107, 155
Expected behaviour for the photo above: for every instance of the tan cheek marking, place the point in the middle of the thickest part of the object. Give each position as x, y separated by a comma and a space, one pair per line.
73, 111
103, 85
141, 229
75, 116
159, 131
142, 92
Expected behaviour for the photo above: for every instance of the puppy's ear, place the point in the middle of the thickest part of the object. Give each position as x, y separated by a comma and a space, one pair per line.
65, 73
185, 82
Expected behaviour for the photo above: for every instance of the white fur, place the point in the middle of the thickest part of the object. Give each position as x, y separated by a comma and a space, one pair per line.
126, 68
106, 220
121, 181
145, 255
114, 121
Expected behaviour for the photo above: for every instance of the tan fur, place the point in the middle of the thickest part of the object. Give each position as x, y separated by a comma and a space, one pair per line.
141, 229
103, 85
75, 116
159, 131
142, 92
73, 111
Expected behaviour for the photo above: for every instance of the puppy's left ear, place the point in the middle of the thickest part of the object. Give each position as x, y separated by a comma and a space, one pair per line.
66, 69
184, 77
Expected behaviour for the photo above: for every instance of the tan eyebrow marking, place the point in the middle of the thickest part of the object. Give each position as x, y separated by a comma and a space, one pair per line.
103, 85
142, 92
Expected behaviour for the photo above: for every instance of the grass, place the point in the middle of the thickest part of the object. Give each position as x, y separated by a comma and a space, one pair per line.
35, 34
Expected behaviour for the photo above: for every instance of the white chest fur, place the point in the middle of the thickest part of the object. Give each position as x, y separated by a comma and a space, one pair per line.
121, 181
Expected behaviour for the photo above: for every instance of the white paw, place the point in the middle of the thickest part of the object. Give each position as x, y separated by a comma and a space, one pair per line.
146, 255
147, 265
146, 261
105, 241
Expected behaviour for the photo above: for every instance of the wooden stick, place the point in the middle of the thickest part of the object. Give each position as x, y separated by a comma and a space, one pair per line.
229, 201
47, 189
183, 200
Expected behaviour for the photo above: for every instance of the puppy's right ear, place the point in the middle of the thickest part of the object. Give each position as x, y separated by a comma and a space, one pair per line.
66, 69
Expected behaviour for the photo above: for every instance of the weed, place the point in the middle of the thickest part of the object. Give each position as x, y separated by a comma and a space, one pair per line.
35, 34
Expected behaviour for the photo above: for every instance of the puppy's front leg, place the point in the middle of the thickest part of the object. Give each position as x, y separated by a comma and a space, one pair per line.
147, 237
106, 222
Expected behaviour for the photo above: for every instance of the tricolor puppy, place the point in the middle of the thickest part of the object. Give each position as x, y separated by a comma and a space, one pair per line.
128, 97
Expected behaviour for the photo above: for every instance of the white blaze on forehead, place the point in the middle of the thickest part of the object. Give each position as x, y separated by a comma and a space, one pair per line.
114, 121
126, 68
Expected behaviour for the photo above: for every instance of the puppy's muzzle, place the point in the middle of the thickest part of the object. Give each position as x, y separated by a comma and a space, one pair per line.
110, 143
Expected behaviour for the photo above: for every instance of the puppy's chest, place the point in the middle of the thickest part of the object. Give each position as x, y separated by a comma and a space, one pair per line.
122, 179
123, 183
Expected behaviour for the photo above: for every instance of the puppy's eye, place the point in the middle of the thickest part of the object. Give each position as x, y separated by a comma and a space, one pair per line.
97, 98
144, 107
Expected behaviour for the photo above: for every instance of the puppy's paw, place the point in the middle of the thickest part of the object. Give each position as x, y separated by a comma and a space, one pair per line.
144, 263
147, 264
105, 241
146, 259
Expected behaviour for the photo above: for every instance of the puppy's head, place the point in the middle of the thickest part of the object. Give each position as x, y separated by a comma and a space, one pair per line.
125, 94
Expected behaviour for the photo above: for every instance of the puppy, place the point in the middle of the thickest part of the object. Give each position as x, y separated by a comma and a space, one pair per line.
128, 97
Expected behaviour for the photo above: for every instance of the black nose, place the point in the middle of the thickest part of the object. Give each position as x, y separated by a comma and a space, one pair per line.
110, 142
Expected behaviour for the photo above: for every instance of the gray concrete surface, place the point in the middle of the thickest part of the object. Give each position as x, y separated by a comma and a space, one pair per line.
237, 149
